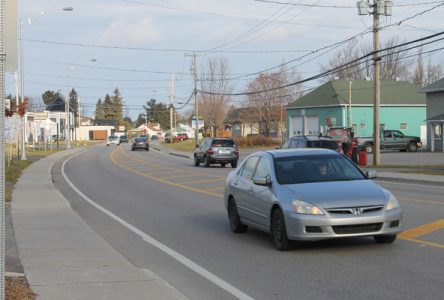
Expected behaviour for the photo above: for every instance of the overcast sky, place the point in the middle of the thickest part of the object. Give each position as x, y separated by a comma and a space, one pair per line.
137, 45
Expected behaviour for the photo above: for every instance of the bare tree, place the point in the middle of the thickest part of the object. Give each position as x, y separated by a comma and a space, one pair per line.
425, 75
269, 103
394, 62
215, 105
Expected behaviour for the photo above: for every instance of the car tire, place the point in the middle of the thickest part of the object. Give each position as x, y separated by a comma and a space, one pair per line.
196, 161
132, 149
412, 147
234, 218
279, 231
355, 155
234, 164
369, 148
223, 165
206, 162
385, 239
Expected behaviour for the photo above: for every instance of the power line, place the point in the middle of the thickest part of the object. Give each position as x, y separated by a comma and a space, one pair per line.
336, 69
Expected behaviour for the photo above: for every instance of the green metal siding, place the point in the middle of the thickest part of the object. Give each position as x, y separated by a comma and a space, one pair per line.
362, 118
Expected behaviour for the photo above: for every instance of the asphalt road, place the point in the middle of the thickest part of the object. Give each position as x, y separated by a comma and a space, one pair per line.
181, 207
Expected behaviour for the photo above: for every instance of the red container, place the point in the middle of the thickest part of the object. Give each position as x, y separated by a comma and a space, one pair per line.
363, 159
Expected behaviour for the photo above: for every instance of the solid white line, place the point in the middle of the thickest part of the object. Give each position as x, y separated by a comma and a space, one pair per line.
174, 254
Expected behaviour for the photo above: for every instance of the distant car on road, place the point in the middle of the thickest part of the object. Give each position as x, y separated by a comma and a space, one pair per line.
154, 137
140, 143
123, 139
309, 194
112, 139
216, 151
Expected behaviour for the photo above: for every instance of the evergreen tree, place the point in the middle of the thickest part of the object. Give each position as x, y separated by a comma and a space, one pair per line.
99, 113
50, 97
74, 104
117, 105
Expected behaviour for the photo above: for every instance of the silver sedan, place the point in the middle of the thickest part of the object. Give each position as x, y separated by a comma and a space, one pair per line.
309, 194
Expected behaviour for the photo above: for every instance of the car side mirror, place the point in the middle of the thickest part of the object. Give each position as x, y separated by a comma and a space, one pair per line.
371, 174
262, 181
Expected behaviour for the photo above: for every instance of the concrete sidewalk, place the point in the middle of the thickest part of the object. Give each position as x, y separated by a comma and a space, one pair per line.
63, 258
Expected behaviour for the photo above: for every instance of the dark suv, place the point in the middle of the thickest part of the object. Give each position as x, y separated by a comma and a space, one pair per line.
312, 142
216, 151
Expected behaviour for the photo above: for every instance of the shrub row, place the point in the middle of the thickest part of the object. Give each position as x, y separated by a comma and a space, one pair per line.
257, 140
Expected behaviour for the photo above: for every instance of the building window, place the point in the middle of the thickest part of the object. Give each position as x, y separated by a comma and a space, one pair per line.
382, 126
362, 125
438, 131
403, 126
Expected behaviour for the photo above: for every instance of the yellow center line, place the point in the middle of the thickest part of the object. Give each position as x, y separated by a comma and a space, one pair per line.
182, 176
159, 179
201, 181
422, 230
215, 189
422, 242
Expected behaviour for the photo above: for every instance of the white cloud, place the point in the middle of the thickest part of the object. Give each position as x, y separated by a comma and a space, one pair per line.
138, 32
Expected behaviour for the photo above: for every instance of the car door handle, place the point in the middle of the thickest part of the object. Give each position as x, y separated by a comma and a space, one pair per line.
235, 183
251, 190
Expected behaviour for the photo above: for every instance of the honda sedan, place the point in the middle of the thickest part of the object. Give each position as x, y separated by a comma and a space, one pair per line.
309, 194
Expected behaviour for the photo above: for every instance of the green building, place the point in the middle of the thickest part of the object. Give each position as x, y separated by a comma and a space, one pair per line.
337, 102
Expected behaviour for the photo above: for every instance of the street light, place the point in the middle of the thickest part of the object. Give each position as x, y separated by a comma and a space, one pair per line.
22, 71
380, 7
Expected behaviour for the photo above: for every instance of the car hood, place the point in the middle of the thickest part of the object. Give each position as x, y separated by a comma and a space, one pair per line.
339, 193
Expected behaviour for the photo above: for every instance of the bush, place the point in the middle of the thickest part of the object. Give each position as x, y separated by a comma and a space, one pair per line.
256, 140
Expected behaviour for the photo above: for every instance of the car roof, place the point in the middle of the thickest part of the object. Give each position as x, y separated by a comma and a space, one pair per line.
279, 153
312, 138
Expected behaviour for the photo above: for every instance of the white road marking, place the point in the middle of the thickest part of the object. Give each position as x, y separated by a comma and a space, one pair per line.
174, 254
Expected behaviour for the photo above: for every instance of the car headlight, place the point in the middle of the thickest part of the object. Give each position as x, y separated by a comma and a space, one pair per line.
302, 207
392, 203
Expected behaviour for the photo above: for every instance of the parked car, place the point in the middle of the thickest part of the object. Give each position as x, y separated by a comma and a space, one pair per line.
123, 139
391, 139
54, 138
312, 142
140, 143
154, 137
309, 194
182, 137
112, 139
217, 151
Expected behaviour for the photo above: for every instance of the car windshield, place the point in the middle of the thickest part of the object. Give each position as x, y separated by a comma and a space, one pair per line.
223, 143
333, 145
111, 138
315, 168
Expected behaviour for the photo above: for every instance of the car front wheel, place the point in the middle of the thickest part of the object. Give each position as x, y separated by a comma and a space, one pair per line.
385, 239
234, 218
196, 161
369, 148
279, 231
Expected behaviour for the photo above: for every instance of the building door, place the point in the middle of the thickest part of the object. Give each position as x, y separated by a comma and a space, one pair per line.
296, 126
312, 126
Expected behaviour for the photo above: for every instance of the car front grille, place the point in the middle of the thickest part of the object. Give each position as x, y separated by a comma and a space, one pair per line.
355, 210
360, 228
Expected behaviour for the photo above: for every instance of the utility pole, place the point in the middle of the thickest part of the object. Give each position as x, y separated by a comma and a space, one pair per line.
350, 123
380, 7
171, 95
2, 148
196, 106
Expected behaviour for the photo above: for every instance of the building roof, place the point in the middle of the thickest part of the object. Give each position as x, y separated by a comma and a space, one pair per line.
436, 118
336, 93
437, 86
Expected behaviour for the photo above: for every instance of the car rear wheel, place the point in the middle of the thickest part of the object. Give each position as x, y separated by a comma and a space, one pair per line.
234, 164
223, 165
279, 231
196, 161
234, 218
207, 162
412, 147
385, 239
